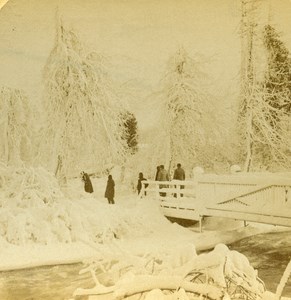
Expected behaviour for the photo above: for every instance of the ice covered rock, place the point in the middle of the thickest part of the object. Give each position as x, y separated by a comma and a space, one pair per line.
235, 169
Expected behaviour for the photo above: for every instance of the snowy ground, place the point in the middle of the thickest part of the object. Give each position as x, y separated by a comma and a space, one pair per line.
77, 226
41, 225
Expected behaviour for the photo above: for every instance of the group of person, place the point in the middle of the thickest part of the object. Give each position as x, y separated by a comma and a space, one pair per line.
161, 175
110, 186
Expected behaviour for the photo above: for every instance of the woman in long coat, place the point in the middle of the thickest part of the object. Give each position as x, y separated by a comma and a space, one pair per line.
87, 182
109, 192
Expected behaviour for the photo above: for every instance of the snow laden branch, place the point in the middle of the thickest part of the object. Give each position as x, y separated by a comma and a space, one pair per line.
264, 129
26, 195
15, 126
220, 274
83, 110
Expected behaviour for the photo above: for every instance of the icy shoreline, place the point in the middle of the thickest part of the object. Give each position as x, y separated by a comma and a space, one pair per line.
14, 257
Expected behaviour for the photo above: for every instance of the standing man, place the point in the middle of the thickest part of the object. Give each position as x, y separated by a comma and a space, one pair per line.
157, 173
110, 190
163, 176
179, 174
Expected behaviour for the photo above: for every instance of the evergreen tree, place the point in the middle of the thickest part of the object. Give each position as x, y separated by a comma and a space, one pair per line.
83, 110
278, 74
15, 129
278, 95
130, 133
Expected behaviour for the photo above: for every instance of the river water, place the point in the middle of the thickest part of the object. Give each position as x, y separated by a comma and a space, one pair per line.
269, 253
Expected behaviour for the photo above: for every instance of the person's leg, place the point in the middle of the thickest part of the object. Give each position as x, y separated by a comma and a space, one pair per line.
175, 195
182, 187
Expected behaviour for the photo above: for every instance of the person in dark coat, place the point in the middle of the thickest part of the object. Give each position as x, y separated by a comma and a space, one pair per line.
87, 182
157, 173
139, 184
179, 174
109, 192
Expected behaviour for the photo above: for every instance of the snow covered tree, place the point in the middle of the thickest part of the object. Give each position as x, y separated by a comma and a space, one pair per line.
262, 125
250, 91
83, 111
186, 132
266, 129
15, 129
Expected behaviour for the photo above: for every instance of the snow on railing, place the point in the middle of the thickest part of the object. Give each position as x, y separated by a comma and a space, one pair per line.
249, 197
271, 195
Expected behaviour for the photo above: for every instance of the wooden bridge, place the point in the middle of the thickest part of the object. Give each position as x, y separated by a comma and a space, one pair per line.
253, 198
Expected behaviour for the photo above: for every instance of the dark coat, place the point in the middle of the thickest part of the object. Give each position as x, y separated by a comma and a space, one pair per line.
179, 174
157, 173
87, 183
109, 192
139, 185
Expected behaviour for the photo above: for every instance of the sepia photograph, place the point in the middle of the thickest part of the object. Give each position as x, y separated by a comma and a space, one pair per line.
145, 149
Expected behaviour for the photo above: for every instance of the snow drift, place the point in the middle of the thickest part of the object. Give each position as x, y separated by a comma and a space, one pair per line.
35, 210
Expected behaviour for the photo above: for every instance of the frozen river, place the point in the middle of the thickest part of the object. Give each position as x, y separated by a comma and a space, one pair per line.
43, 283
269, 253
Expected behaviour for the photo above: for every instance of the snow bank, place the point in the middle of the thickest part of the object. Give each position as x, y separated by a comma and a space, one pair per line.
35, 210
29, 201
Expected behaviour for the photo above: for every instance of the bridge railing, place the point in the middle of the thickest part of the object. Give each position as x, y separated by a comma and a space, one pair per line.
268, 197
246, 197
177, 198
269, 204
169, 190
213, 188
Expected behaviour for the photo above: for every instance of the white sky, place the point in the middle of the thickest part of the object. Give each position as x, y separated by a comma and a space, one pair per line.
139, 35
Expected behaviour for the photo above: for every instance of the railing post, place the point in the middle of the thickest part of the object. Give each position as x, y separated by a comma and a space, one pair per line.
200, 223
157, 193
178, 191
